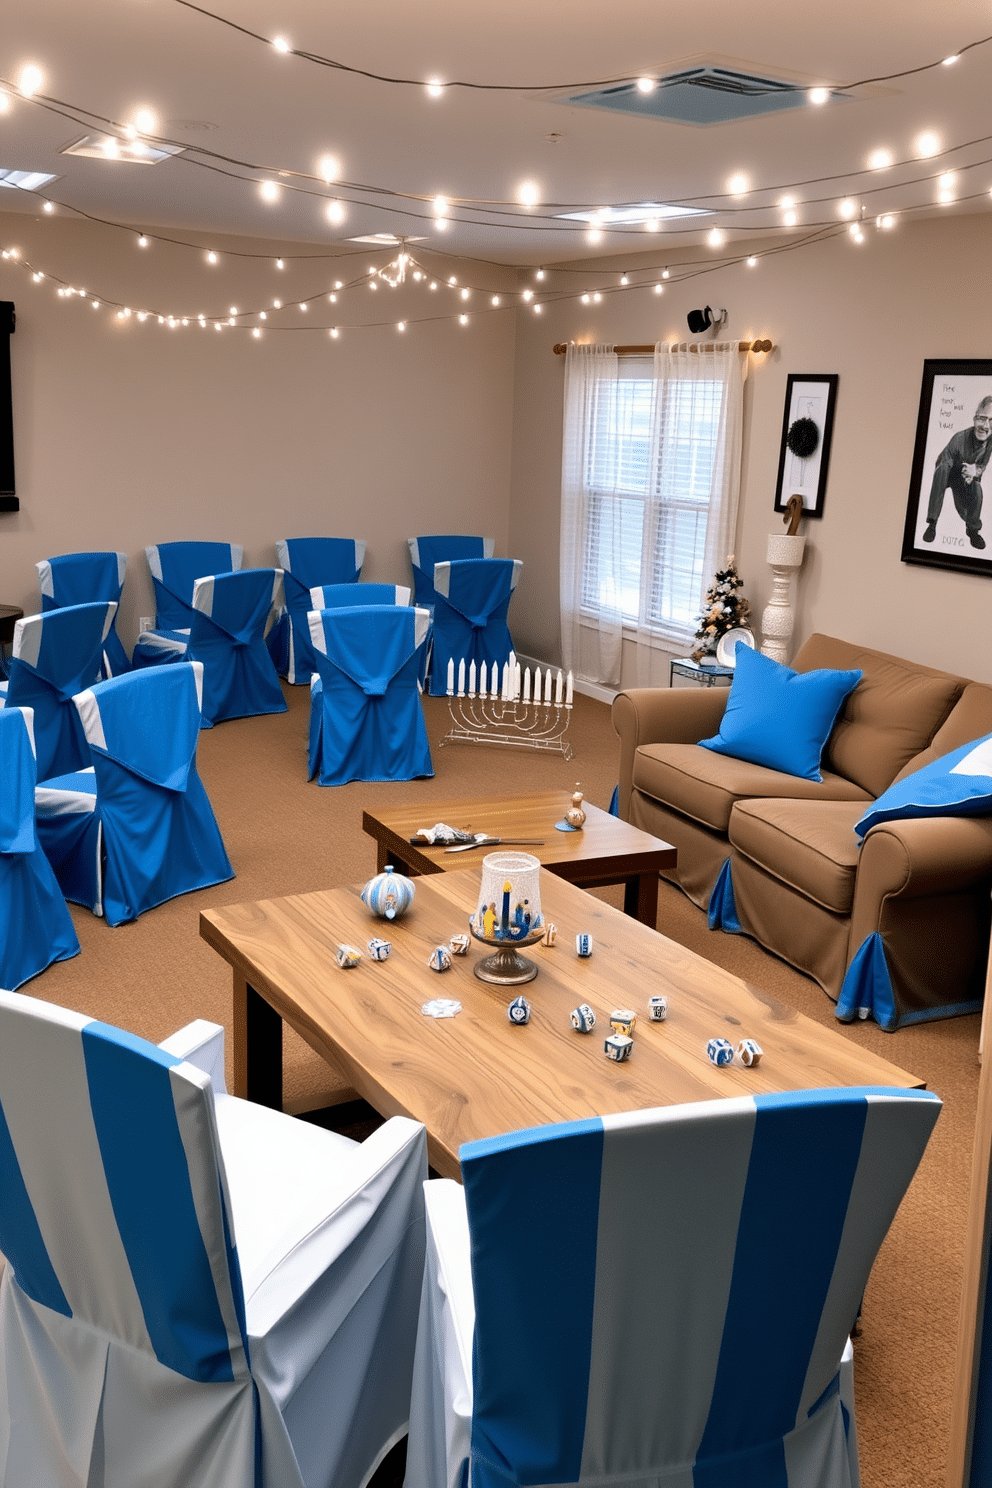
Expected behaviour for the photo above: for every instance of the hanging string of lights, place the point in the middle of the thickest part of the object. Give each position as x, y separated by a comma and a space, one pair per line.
435, 86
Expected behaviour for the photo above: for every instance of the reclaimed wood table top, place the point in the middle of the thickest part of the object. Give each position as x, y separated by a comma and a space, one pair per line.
478, 1075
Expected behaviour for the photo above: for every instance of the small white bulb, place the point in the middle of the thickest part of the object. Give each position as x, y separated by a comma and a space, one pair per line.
586, 299
848, 207
329, 168
335, 212
466, 294
752, 262
269, 191
49, 206
334, 333
528, 294
277, 304
528, 194
304, 305
717, 238
280, 264
738, 184
463, 319
950, 61
401, 325
142, 241
495, 299
434, 87
879, 159
256, 333
659, 289
145, 121
594, 235
818, 96
211, 257
646, 84
539, 274
927, 144
281, 44
30, 80
666, 273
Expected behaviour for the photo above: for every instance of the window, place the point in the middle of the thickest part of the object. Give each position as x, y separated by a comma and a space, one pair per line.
649, 495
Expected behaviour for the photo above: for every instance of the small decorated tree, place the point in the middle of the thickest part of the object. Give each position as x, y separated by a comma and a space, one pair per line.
724, 608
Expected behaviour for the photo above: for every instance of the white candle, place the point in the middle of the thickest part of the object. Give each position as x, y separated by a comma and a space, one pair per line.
471, 679
568, 690
482, 679
451, 675
527, 684
494, 679
516, 681
461, 677
559, 688
513, 660
547, 684
537, 684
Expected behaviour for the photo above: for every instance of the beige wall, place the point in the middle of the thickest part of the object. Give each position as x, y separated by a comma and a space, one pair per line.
872, 314
132, 434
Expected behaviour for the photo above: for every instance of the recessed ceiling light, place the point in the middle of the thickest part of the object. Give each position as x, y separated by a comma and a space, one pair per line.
129, 152
629, 216
26, 180
383, 240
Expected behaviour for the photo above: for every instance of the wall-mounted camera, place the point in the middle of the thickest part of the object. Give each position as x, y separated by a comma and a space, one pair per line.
702, 320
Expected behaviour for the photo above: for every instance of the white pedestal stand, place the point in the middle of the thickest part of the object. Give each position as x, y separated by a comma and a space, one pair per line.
785, 554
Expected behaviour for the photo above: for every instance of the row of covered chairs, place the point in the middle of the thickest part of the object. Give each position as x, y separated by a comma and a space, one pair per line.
207, 1292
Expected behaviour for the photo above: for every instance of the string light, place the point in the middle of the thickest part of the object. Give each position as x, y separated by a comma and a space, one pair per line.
659, 289
211, 257
848, 207
879, 160
334, 333
30, 80
434, 88
49, 206
738, 184
539, 274
927, 145
269, 191
818, 96
335, 212
528, 195
281, 44
145, 121
463, 319
142, 241
495, 299
752, 262
646, 84
280, 264
329, 168
716, 238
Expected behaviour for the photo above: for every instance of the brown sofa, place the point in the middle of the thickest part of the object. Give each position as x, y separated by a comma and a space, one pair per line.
914, 899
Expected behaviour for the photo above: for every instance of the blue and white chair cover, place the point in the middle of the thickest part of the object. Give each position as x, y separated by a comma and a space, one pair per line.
137, 828
658, 1297
55, 656
82, 578
175, 568
35, 927
366, 718
199, 1291
346, 596
441, 548
472, 597
306, 562
232, 614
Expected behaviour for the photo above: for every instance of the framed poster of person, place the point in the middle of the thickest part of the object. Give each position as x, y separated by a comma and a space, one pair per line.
807, 429
945, 522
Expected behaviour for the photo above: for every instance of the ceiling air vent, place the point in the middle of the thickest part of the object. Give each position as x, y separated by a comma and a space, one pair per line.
699, 95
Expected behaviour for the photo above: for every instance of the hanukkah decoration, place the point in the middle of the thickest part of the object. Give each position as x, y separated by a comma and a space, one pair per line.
488, 707
583, 1018
379, 949
658, 1009
519, 1010
583, 944
347, 956
622, 1020
719, 1051
575, 816
389, 894
459, 945
439, 959
617, 1047
550, 934
749, 1052
508, 916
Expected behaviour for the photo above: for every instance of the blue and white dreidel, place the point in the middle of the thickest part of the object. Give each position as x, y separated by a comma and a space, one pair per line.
459, 945
347, 956
622, 1020
379, 949
719, 1051
583, 944
583, 1018
617, 1047
519, 1010
749, 1052
389, 894
658, 1009
439, 959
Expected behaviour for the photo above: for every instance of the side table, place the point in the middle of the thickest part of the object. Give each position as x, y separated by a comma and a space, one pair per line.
706, 676
9, 616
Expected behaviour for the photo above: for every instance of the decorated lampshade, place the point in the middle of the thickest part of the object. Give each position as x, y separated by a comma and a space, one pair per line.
389, 894
509, 908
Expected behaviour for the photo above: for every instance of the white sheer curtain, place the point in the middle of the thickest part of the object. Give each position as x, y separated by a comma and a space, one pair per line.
651, 459
590, 641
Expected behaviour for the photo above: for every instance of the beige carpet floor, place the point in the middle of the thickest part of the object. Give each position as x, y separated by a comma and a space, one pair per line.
285, 835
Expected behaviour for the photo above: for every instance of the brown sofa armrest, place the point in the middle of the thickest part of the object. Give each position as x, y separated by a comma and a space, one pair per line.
662, 715
918, 858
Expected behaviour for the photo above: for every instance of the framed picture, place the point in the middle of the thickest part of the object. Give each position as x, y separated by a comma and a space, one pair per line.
807, 428
953, 443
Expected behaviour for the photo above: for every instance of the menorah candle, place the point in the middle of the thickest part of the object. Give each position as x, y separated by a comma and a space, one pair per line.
547, 684
506, 681
451, 675
559, 688
537, 684
568, 690
471, 679
461, 677
482, 679
494, 679
526, 684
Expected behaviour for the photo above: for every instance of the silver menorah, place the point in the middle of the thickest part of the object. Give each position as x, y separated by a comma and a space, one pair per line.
511, 708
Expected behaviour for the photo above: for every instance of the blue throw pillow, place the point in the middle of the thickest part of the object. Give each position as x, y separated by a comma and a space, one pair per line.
958, 784
778, 717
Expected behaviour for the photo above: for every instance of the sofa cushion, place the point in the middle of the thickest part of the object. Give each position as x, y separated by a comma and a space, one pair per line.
780, 718
813, 850
891, 715
970, 718
704, 785
959, 784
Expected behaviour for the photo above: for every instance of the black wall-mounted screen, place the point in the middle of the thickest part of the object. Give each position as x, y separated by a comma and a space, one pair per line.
8, 501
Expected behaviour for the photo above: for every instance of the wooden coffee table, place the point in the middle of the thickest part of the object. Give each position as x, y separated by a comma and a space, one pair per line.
606, 851
477, 1075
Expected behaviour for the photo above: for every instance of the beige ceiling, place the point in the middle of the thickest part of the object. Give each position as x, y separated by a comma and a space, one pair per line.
214, 89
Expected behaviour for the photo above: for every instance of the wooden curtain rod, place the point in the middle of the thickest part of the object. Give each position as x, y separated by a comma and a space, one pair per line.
562, 346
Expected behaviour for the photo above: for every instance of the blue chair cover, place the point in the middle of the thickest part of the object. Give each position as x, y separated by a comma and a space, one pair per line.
440, 548
472, 597
140, 830
82, 578
346, 596
232, 613
659, 1296
55, 656
175, 568
35, 927
306, 562
366, 718
135, 1194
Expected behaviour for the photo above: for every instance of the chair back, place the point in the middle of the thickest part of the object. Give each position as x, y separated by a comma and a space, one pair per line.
472, 598
146, 723
232, 613
175, 568
346, 596
374, 647
113, 1205
440, 548
318, 560
669, 1292
81, 578
18, 773
55, 656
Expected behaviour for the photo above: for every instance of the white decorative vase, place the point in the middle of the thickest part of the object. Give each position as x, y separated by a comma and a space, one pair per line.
785, 554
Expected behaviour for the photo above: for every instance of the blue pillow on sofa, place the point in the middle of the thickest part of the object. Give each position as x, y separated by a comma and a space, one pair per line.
958, 784
778, 717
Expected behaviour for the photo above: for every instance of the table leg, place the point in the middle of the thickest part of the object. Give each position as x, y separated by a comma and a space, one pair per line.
386, 858
640, 898
257, 1047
